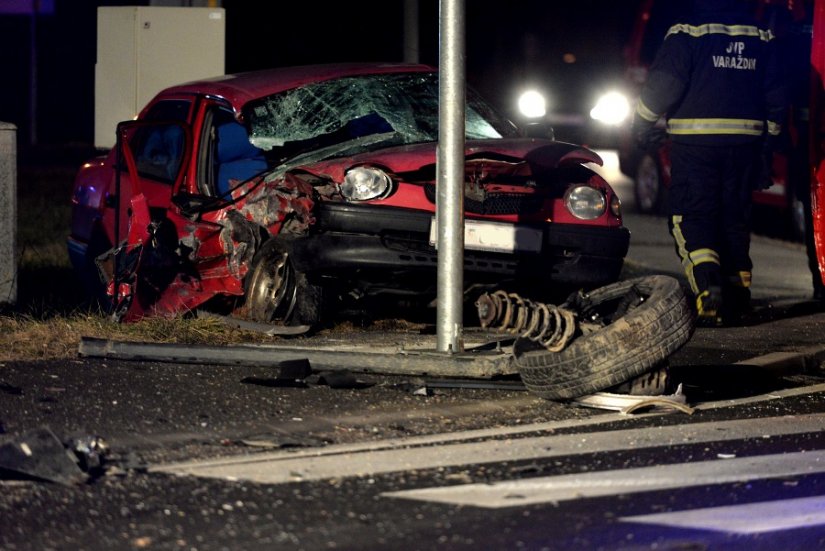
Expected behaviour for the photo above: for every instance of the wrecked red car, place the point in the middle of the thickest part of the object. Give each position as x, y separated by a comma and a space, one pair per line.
274, 195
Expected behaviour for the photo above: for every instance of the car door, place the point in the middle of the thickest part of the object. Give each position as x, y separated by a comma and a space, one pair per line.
150, 161
200, 246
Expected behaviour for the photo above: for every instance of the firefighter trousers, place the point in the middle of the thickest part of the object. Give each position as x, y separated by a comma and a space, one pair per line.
710, 218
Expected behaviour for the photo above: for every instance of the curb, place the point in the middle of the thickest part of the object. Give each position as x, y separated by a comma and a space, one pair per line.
788, 363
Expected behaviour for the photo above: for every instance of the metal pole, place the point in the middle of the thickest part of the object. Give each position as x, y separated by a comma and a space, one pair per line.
411, 31
450, 177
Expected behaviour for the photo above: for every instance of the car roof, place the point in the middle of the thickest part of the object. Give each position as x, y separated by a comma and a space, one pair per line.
240, 88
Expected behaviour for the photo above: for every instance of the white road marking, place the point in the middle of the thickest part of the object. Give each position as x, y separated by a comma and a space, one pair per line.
555, 489
746, 519
402, 455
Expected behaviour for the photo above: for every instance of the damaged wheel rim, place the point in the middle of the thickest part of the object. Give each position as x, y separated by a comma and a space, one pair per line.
271, 290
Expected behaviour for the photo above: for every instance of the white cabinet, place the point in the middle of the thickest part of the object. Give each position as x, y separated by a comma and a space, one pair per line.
143, 49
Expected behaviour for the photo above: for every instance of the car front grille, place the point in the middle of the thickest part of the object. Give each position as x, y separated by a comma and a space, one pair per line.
496, 203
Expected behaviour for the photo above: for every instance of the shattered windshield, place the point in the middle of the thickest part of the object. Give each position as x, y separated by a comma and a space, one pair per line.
403, 108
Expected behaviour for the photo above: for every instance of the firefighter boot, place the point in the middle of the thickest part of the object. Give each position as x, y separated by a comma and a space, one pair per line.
737, 298
709, 307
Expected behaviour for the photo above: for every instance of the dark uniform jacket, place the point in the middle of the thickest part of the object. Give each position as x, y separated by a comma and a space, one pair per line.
717, 80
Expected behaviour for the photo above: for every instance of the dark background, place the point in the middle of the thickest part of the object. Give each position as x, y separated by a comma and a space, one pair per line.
509, 44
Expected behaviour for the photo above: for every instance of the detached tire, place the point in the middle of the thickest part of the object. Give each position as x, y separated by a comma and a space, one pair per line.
276, 292
629, 346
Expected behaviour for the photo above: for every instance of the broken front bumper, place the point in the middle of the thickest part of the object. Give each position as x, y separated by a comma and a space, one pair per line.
366, 237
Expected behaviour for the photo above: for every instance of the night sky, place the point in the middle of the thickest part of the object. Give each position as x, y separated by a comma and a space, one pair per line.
509, 44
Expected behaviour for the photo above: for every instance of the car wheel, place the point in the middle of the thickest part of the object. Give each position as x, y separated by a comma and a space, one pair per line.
647, 186
797, 219
635, 342
276, 292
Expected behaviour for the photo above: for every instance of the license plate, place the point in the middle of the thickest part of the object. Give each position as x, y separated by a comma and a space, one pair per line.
499, 237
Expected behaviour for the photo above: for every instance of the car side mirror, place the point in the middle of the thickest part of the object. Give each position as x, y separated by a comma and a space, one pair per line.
539, 129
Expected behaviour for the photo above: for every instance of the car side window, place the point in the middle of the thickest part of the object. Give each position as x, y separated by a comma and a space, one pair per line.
227, 156
158, 149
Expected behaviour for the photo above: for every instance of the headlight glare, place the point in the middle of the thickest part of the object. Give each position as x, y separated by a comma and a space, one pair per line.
363, 183
612, 109
585, 202
532, 105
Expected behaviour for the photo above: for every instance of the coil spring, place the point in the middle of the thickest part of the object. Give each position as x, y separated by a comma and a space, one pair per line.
551, 326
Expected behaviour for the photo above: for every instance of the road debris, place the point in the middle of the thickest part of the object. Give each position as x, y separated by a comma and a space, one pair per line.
547, 324
488, 363
92, 453
629, 403
341, 380
40, 455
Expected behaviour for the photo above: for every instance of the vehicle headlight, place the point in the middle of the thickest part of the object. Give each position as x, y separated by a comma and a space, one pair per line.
532, 104
612, 108
363, 183
585, 202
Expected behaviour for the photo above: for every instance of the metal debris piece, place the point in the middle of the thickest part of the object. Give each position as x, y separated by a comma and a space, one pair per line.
480, 364
628, 403
91, 451
549, 325
40, 455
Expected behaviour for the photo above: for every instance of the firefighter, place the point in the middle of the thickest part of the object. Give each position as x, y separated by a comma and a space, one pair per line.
717, 82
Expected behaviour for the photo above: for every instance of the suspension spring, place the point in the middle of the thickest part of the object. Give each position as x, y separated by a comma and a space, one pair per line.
549, 325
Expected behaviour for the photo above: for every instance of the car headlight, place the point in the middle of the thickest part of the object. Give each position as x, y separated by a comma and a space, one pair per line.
585, 202
363, 183
532, 105
612, 108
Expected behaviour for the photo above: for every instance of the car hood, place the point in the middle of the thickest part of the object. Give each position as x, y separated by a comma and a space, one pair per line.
541, 155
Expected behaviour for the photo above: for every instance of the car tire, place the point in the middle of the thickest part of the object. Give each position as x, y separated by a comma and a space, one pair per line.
632, 344
797, 219
276, 292
648, 189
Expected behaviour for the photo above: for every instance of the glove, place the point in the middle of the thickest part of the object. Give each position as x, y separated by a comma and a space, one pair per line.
648, 137
764, 170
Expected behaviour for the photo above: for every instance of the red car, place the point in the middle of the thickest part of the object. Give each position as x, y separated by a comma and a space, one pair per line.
271, 195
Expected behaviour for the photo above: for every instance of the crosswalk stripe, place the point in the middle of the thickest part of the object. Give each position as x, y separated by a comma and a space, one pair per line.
556, 489
744, 519
344, 461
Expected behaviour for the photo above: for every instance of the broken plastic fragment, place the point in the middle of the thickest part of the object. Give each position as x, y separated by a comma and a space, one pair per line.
39, 454
628, 403
341, 379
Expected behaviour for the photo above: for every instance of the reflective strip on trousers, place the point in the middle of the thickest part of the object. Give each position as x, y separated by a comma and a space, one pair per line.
691, 259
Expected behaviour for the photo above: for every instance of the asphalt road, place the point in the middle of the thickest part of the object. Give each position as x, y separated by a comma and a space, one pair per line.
238, 457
